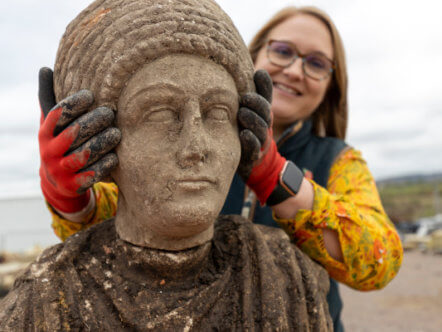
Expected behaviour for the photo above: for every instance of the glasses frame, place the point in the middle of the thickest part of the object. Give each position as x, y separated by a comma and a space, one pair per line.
301, 56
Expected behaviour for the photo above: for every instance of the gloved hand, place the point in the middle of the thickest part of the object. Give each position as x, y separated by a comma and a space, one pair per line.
261, 162
74, 146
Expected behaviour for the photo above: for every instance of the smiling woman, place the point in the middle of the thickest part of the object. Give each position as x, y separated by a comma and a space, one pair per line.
296, 98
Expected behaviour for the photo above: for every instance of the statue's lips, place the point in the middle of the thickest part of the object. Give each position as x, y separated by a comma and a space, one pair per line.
195, 183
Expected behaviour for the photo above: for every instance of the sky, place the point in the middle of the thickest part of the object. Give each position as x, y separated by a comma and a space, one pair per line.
394, 58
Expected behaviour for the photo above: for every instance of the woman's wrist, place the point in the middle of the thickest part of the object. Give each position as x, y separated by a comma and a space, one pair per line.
302, 200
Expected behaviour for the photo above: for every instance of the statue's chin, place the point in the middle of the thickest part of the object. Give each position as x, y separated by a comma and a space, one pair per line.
168, 224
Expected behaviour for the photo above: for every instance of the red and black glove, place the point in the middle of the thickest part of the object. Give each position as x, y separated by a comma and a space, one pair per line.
75, 146
261, 162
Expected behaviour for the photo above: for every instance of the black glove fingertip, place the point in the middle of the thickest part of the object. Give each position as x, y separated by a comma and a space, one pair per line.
263, 84
46, 94
258, 104
252, 121
250, 147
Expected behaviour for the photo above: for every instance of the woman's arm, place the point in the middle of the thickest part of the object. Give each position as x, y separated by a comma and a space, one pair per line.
345, 227
304, 200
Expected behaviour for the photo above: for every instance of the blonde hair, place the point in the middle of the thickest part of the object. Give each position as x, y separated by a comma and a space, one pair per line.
331, 116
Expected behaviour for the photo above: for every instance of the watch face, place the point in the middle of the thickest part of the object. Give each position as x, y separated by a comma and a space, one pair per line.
291, 178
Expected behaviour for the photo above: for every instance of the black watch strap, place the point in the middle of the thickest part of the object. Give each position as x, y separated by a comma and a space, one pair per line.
290, 180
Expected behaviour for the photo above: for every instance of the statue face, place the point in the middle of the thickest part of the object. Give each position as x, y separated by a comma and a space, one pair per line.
179, 151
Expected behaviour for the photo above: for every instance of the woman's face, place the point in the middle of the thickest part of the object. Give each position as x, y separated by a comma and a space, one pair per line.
295, 95
179, 149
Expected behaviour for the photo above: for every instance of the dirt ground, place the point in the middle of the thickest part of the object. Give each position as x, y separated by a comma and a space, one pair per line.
412, 302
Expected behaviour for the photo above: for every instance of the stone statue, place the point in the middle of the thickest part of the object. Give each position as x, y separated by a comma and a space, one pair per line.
174, 71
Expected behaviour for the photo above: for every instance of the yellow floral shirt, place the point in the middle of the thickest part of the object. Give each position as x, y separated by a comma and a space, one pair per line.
350, 205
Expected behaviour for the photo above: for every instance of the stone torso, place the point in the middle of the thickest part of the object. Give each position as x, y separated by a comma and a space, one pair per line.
247, 277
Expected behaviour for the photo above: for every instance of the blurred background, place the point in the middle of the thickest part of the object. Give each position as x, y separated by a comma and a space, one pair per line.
394, 52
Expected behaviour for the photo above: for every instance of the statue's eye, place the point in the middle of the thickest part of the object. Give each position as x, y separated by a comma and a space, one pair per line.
161, 114
218, 113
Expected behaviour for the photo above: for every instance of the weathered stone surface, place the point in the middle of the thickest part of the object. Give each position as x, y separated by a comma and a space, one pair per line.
175, 70
110, 40
247, 278
179, 151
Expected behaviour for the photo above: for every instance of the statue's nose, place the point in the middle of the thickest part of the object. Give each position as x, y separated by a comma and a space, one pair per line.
193, 146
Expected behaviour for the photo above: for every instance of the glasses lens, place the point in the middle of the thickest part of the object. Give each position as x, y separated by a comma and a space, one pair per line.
317, 66
280, 53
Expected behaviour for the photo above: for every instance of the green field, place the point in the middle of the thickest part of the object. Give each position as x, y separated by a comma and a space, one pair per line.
409, 201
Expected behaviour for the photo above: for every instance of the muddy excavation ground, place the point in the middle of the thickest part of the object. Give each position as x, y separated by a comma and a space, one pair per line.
412, 302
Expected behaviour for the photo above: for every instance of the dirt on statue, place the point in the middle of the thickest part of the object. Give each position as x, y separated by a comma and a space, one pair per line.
247, 277
175, 71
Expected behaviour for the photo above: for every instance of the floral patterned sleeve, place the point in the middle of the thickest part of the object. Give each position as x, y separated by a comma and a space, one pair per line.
106, 196
350, 206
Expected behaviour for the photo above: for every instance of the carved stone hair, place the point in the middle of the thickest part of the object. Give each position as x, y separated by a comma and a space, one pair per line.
111, 39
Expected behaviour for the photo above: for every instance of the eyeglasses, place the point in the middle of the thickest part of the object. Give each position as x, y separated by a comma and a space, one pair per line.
315, 65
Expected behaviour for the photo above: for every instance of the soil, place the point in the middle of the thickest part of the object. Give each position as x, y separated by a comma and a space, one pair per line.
411, 302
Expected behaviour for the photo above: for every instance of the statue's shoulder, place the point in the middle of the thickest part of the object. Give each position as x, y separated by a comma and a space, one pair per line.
69, 252
271, 244
240, 225
50, 281
266, 260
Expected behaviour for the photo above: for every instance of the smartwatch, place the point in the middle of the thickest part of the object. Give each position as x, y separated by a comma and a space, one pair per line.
290, 180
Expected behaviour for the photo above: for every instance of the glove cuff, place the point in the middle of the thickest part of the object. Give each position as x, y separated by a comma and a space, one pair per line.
264, 177
84, 215
65, 204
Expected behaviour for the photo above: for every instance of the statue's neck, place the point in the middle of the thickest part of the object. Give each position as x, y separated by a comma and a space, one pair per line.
170, 265
142, 237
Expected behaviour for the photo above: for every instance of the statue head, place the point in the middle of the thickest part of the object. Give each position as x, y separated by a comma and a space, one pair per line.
174, 71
